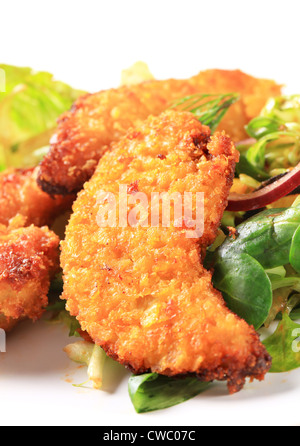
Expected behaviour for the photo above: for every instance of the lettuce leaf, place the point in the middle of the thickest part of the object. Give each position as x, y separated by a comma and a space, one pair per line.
29, 107
151, 391
284, 347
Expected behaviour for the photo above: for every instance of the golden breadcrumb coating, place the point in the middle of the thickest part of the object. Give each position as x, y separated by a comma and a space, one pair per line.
142, 293
20, 196
85, 133
29, 258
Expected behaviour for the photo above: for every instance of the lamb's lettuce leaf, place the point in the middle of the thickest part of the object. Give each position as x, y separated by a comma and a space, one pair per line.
257, 269
151, 391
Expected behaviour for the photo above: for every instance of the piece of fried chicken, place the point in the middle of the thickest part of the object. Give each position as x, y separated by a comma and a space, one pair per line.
29, 254
85, 133
20, 196
29, 259
142, 293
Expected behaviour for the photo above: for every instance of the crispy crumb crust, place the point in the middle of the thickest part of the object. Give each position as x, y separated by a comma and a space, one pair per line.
85, 132
142, 293
233, 371
21, 197
29, 258
7, 324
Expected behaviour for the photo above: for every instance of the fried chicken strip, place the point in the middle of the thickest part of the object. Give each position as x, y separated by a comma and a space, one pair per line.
28, 254
85, 133
20, 196
29, 258
142, 293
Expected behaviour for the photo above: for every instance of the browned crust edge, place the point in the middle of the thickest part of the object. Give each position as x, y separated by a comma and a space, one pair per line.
257, 365
54, 189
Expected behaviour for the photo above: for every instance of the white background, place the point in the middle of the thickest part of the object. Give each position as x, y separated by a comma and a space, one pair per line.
87, 44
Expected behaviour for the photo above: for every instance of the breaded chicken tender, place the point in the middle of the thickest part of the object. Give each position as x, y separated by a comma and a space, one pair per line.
85, 133
28, 254
142, 292
29, 258
21, 196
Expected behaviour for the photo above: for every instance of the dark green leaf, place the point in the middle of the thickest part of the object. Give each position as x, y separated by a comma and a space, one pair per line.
151, 391
245, 286
267, 237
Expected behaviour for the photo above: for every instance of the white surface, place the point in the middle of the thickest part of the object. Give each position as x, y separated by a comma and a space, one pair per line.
88, 44
35, 389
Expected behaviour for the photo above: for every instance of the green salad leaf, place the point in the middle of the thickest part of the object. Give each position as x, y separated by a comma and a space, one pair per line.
151, 391
295, 251
257, 155
71, 322
245, 286
276, 133
295, 315
61, 315
267, 237
284, 153
244, 166
261, 126
283, 108
284, 347
257, 270
29, 107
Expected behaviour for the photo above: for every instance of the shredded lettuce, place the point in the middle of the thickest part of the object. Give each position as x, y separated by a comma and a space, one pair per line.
276, 132
90, 355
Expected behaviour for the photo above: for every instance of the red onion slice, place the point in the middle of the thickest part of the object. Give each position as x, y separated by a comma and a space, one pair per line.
261, 198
